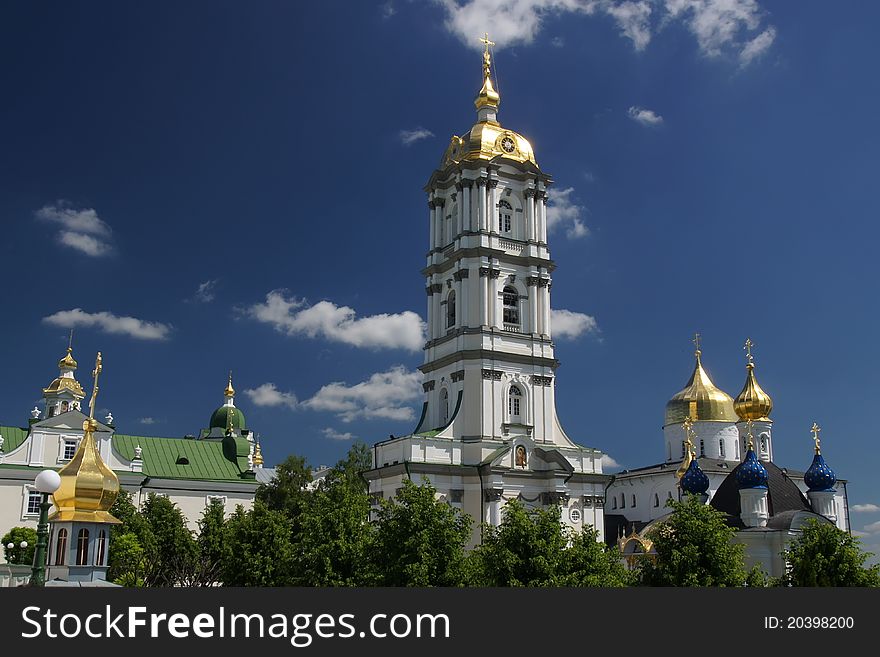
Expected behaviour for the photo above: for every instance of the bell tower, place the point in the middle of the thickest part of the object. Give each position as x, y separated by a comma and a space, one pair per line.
488, 430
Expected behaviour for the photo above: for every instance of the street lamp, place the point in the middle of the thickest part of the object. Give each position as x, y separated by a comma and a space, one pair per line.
47, 482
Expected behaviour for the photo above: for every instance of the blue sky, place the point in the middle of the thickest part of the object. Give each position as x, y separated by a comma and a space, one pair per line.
200, 187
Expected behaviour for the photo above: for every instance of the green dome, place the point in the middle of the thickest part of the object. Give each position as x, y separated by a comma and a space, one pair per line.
220, 419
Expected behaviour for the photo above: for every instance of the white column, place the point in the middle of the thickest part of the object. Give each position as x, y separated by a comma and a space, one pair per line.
493, 297
466, 204
481, 203
529, 213
484, 296
459, 215
493, 205
541, 223
532, 286
439, 319
430, 309
547, 327
464, 302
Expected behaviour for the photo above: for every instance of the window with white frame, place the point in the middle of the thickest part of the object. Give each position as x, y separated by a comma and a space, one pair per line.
34, 499
510, 304
68, 449
505, 217
450, 309
514, 401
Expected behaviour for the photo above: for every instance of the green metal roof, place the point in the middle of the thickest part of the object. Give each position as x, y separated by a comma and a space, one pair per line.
163, 458
12, 437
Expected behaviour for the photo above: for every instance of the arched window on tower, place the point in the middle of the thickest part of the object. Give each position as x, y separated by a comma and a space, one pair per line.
61, 548
721, 447
505, 218
702, 448
656, 500
444, 407
622, 501
100, 548
514, 404
634, 501
450, 310
510, 301
82, 547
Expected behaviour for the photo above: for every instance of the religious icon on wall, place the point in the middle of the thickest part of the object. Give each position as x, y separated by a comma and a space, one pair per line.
520, 456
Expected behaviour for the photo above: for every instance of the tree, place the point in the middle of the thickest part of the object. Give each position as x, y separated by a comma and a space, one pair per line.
531, 547
17, 554
693, 548
419, 540
172, 553
258, 548
332, 546
127, 560
211, 544
823, 555
287, 490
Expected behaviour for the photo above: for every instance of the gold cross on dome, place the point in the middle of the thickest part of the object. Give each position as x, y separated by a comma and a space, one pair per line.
485, 41
95, 373
697, 341
750, 435
748, 347
816, 429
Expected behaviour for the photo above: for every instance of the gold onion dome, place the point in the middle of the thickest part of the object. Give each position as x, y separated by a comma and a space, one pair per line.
66, 381
88, 486
229, 391
487, 139
67, 363
752, 403
258, 455
700, 400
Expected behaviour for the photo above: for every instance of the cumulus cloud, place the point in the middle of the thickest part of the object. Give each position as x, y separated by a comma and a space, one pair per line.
269, 395
564, 213
609, 463
325, 319
865, 508
570, 324
110, 323
387, 10
383, 395
717, 25
81, 230
644, 116
873, 528
408, 137
333, 434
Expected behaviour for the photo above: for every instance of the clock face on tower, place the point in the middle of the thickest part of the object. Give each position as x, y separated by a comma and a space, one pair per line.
508, 145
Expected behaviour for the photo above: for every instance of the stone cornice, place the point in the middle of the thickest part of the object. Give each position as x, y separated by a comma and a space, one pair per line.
467, 330
489, 355
480, 251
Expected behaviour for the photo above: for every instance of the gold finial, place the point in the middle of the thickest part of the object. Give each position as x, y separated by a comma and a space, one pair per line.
228, 421
95, 374
749, 435
689, 447
70, 342
230, 391
258, 454
697, 342
487, 58
816, 429
748, 347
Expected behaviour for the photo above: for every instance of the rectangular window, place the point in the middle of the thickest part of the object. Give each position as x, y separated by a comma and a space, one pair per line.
35, 498
69, 450
219, 498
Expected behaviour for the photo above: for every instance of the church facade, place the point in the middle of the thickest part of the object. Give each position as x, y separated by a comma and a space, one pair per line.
489, 431
721, 449
224, 462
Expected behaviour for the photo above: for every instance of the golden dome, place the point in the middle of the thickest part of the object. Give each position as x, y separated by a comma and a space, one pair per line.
752, 403
258, 455
88, 486
230, 391
67, 362
65, 383
701, 400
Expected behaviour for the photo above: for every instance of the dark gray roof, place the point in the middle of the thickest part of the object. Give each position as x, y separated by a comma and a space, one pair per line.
783, 494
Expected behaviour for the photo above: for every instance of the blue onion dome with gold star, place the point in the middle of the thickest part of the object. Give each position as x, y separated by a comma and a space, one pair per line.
695, 481
751, 473
819, 477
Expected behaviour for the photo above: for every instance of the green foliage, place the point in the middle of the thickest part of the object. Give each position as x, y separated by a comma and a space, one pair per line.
173, 552
212, 536
823, 555
333, 543
16, 554
531, 547
287, 491
127, 560
258, 549
419, 541
693, 548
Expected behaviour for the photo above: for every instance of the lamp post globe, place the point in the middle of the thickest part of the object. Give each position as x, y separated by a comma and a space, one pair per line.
23, 545
47, 482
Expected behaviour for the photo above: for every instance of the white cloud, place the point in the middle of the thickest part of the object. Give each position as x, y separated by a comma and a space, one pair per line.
205, 291
81, 230
609, 463
387, 10
383, 395
865, 508
757, 46
333, 434
293, 316
644, 116
408, 137
873, 528
268, 395
147, 420
717, 25
110, 323
562, 212
569, 324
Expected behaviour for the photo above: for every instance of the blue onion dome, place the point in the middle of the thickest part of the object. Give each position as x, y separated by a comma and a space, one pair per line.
695, 480
751, 473
819, 476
